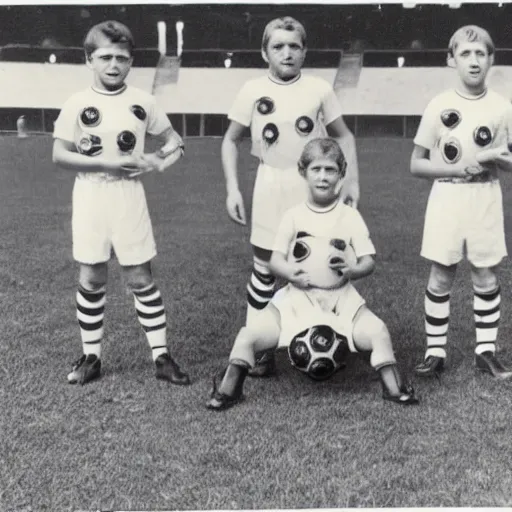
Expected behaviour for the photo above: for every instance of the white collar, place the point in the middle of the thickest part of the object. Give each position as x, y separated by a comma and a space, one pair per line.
110, 93
322, 209
282, 82
467, 96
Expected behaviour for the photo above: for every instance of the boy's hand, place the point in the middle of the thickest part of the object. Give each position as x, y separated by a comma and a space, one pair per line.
342, 268
176, 144
149, 162
168, 154
133, 165
504, 161
235, 207
500, 156
350, 193
300, 279
474, 170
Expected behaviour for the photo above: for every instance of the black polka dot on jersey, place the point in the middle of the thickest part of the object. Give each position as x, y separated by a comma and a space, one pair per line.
452, 151
270, 133
89, 145
304, 125
138, 112
90, 117
301, 250
339, 244
483, 136
265, 105
450, 118
126, 140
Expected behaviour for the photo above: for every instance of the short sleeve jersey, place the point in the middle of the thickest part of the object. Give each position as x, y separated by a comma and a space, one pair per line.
341, 221
130, 109
452, 116
284, 117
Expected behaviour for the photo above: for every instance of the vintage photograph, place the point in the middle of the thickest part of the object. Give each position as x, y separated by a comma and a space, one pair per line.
254, 256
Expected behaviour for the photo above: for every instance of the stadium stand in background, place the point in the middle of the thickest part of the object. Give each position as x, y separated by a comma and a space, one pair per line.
385, 61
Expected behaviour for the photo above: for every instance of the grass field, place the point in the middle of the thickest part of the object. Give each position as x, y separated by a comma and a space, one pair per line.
130, 442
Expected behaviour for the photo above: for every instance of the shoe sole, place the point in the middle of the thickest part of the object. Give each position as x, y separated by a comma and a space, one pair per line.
407, 401
185, 382
429, 374
223, 405
503, 376
261, 372
74, 378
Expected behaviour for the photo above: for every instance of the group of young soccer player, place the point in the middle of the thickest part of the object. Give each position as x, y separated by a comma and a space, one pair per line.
307, 184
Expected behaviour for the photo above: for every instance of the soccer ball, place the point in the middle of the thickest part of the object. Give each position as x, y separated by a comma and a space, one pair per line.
318, 351
316, 255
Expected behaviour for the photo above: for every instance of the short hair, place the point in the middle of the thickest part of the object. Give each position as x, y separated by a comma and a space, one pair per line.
286, 23
115, 31
322, 148
470, 34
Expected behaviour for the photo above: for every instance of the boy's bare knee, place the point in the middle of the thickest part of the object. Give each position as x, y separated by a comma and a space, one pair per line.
246, 337
441, 279
92, 285
138, 283
378, 331
484, 279
93, 277
138, 277
370, 332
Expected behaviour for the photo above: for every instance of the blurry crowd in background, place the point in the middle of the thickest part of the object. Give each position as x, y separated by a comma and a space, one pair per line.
352, 28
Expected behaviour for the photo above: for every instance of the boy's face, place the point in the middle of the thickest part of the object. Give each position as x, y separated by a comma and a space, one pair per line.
324, 181
111, 63
284, 54
473, 62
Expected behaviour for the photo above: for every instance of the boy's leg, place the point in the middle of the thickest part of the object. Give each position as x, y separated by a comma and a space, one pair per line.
151, 315
90, 307
250, 340
371, 334
437, 314
486, 305
260, 290
486, 247
91, 248
444, 244
275, 191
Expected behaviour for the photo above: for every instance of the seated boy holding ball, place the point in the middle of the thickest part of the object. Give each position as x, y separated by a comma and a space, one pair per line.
99, 135
311, 297
461, 143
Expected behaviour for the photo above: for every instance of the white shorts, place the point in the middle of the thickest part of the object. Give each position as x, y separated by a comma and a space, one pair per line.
111, 215
275, 191
301, 309
464, 219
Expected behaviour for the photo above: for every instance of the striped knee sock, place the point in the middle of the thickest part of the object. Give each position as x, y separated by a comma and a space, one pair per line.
151, 314
487, 317
260, 289
90, 311
437, 314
